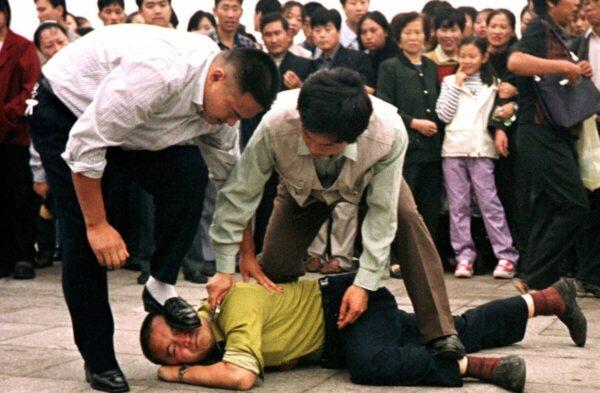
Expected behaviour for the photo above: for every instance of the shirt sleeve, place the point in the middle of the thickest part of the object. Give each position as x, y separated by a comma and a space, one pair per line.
239, 197
220, 150
448, 101
125, 99
533, 41
381, 221
35, 163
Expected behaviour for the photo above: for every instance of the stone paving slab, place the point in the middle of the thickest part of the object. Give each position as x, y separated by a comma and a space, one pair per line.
37, 352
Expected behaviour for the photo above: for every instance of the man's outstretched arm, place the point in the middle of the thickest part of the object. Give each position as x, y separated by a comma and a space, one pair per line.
221, 375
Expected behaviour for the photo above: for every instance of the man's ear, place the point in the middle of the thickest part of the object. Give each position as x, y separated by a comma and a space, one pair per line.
217, 74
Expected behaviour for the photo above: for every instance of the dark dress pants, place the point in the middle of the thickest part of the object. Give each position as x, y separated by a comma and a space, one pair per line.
17, 207
384, 347
588, 246
557, 201
292, 229
425, 182
172, 176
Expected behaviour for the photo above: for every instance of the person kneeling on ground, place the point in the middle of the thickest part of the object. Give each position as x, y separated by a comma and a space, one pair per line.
257, 329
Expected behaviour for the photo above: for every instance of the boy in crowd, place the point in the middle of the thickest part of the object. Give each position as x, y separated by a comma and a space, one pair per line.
354, 10
448, 26
227, 35
111, 12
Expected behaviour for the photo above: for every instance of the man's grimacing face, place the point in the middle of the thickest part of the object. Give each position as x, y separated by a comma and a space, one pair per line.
173, 346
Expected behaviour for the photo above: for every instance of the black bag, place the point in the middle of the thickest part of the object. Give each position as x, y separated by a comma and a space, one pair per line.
566, 105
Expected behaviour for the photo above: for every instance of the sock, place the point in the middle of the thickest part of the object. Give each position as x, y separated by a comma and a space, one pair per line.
481, 367
548, 302
160, 291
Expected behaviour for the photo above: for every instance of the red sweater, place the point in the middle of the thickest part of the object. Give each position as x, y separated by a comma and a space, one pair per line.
19, 71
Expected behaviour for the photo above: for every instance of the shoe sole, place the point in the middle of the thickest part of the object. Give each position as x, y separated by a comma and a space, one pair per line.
518, 374
574, 311
96, 387
463, 275
504, 276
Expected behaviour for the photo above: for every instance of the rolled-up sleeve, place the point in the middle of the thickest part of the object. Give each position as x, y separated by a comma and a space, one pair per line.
125, 99
220, 150
239, 197
380, 223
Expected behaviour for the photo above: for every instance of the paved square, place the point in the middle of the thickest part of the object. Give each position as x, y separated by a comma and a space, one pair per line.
37, 352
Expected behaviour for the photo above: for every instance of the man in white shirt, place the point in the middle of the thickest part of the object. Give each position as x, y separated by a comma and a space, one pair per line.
354, 10
154, 103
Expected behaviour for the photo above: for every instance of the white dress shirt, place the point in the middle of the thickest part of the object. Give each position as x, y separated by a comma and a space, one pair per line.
594, 56
139, 87
348, 37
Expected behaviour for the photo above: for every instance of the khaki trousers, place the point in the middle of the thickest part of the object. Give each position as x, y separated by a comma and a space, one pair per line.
292, 228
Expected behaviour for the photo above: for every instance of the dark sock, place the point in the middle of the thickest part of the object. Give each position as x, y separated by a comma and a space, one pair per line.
481, 367
548, 302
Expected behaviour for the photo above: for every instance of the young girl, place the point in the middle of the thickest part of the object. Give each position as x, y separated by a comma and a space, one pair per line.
465, 104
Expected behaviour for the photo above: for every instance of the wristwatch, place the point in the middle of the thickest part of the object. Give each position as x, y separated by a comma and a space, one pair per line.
182, 370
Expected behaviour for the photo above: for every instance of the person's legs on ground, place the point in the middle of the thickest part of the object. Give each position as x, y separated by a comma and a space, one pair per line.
290, 231
423, 276
84, 280
481, 171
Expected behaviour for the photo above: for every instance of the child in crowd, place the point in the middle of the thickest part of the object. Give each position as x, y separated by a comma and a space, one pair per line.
466, 101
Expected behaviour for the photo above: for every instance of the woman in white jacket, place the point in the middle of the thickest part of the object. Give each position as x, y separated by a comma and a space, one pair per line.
468, 152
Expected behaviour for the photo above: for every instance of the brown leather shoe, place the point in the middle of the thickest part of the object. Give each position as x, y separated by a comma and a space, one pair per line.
314, 264
333, 267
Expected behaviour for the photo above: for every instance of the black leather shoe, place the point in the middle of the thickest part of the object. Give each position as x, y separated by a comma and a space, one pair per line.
178, 313
572, 317
109, 381
448, 347
510, 374
24, 270
195, 276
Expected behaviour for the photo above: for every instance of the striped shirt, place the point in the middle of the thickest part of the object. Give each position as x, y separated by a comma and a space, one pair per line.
139, 87
447, 103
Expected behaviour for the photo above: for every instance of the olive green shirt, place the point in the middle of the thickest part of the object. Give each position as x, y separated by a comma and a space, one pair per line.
261, 329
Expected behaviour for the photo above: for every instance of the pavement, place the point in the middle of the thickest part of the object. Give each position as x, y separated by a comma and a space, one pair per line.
37, 352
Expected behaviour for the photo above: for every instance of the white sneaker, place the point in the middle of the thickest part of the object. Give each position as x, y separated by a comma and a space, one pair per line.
464, 269
505, 269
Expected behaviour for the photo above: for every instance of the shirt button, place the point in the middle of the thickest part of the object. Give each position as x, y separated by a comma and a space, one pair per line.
421, 74
425, 92
428, 110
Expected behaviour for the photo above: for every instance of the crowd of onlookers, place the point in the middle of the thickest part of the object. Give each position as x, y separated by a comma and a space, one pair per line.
471, 164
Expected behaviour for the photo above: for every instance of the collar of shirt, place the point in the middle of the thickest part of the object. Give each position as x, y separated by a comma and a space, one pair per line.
239, 41
589, 33
321, 55
198, 97
348, 37
443, 57
350, 151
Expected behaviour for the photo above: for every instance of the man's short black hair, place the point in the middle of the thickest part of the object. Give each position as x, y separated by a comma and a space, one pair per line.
256, 73
448, 19
57, 3
5, 8
311, 7
335, 102
218, 1
102, 4
141, 2
37, 36
267, 6
274, 17
323, 16
145, 335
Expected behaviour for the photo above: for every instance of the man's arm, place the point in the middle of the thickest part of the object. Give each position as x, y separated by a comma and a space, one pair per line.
125, 99
378, 228
220, 375
524, 64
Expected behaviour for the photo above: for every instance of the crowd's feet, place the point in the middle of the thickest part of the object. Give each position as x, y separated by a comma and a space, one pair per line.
504, 270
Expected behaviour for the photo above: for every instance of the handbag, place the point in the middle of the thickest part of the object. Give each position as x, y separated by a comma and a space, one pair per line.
566, 105
588, 154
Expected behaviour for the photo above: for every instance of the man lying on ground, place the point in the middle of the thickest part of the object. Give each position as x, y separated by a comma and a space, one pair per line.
256, 329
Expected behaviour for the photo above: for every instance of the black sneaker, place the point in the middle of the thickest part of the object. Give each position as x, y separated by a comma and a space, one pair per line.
510, 374
573, 318
24, 270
